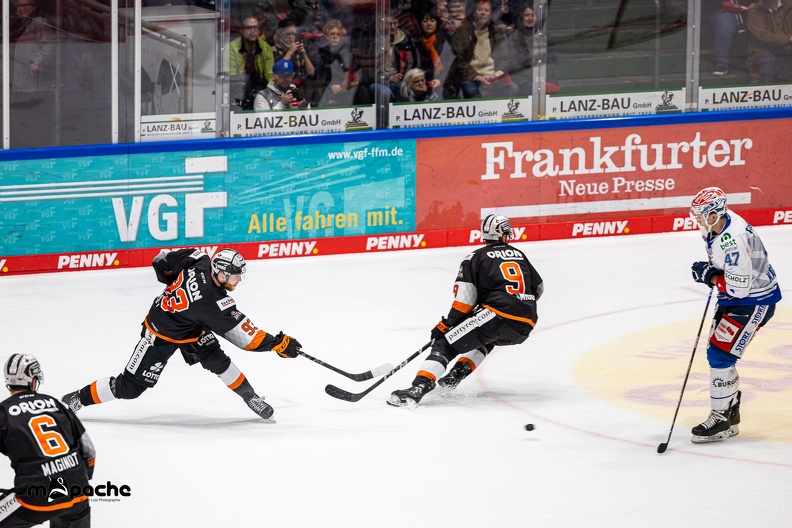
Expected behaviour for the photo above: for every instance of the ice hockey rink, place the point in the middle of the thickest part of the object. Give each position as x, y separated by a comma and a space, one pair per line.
599, 378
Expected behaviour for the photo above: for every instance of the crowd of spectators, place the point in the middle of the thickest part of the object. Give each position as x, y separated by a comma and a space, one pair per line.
432, 49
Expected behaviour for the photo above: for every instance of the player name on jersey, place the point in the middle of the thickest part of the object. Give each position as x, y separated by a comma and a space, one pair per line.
59, 464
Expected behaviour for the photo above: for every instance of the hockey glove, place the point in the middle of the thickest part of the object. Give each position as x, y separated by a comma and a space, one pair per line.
703, 272
287, 347
439, 330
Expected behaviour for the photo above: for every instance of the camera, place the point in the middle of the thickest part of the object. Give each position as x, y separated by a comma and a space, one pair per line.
296, 92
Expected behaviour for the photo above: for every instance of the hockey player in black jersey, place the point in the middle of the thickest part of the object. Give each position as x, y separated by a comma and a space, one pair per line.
495, 298
193, 307
51, 454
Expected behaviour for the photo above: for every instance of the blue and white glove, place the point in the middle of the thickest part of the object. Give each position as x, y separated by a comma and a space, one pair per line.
703, 272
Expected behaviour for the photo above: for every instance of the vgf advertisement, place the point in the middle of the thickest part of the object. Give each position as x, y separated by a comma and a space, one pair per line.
102, 203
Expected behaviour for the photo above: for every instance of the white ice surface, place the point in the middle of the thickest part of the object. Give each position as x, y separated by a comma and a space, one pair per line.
194, 455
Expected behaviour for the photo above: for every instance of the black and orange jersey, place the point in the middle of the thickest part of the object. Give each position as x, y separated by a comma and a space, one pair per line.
49, 450
192, 302
499, 277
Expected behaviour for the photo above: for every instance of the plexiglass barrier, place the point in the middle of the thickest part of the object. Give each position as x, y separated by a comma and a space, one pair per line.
81, 72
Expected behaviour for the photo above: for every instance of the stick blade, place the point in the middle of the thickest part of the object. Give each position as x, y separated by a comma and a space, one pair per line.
662, 447
341, 394
382, 369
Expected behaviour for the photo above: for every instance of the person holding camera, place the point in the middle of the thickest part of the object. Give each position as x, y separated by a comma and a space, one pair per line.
281, 93
287, 47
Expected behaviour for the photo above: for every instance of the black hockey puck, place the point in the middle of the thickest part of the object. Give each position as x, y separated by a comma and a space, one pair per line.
529, 427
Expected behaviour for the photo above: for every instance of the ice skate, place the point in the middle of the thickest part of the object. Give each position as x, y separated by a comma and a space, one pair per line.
734, 416
713, 429
260, 407
455, 376
412, 396
73, 401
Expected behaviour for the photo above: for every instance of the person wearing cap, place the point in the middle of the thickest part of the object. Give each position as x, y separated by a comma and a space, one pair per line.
281, 93
51, 454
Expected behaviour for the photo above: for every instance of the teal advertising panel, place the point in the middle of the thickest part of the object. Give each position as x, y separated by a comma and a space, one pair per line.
172, 199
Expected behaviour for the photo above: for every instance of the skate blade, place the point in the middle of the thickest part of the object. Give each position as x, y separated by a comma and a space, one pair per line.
396, 402
734, 430
268, 421
717, 437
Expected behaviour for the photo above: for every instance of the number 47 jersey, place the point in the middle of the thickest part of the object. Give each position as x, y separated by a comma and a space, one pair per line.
499, 277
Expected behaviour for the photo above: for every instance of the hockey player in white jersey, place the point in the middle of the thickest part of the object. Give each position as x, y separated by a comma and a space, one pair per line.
747, 289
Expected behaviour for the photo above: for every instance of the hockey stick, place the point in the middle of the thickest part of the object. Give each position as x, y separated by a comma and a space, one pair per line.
662, 447
363, 376
341, 394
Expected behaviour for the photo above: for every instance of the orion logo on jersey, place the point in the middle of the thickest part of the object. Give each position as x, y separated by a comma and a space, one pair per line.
193, 289
34, 407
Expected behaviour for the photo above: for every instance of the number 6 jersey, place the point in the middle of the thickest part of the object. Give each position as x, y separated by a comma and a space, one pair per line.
46, 442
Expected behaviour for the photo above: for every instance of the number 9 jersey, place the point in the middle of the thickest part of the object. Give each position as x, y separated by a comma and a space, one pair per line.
501, 278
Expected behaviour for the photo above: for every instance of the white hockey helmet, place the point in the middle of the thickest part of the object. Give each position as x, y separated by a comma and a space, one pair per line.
493, 227
708, 200
229, 262
23, 370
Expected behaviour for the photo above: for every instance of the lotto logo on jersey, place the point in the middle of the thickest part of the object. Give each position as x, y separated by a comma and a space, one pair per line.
90, 260
395, 242
600, 228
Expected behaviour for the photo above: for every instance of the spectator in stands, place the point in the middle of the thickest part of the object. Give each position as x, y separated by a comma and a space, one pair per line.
727, 22
281, 93
430, 46
456, 16
288, 47
769, 46
521, 54
482, 58
400, 56
416, 87
267, 17
249, 55
335, 81
33, 44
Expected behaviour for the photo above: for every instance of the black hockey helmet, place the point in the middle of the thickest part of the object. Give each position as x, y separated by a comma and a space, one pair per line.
23, 371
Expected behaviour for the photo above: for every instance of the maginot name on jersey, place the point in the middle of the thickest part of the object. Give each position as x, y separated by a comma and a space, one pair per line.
59, 464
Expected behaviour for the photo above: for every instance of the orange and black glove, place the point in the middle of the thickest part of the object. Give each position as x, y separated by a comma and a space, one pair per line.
287, 347
440, 329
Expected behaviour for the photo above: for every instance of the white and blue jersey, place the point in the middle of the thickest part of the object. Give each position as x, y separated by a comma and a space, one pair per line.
748, 278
